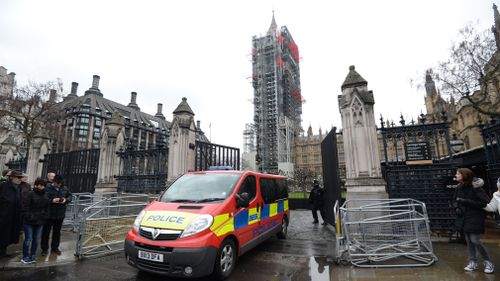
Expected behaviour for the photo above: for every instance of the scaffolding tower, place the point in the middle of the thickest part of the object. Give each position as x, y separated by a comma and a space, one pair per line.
277, 97
249, 144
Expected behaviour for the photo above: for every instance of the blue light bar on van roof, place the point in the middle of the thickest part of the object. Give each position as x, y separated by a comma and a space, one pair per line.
212, 168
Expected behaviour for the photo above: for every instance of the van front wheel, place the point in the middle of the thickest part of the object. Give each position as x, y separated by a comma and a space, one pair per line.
284, 228
226, 259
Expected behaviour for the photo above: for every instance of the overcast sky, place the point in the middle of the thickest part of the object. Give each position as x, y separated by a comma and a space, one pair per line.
166, 50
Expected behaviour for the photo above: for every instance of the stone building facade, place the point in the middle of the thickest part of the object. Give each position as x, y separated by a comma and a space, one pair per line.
85, 118
463, 117
91, 121
308, 152
9, 137
7, 82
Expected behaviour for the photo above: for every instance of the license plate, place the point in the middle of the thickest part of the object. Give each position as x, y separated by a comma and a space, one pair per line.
150, 256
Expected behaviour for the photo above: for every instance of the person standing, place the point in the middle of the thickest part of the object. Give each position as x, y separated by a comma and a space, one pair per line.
10, 211
50, 178
35, 214
5, 175
24, 187
494, 205
59, 196
316, 200
471, 199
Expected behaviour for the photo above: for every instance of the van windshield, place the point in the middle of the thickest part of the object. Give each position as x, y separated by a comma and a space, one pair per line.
200, 188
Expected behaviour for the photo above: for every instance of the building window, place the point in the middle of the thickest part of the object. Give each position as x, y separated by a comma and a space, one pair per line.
83, 119
83, 132
82, 142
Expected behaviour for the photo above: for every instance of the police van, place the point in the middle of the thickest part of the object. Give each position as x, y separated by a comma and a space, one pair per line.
204, 221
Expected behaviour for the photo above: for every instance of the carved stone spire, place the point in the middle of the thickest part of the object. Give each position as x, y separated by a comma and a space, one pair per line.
496, 27
273, 26
430, 86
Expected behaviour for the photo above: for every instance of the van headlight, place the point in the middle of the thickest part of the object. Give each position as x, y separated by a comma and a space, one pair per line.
137, 222
197, 225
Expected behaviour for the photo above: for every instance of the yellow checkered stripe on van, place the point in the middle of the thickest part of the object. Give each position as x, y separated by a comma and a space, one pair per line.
226, 223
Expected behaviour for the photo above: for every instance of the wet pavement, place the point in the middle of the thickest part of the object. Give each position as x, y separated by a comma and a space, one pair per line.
307, 254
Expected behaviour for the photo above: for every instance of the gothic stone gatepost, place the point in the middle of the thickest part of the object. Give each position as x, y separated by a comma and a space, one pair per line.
363, 174
39, 147
181, 155
112, 139
8, 150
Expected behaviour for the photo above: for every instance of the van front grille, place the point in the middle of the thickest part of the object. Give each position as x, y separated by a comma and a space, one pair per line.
163, 235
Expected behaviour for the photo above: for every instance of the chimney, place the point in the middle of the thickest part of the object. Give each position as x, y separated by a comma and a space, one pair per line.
198, 124
12, 82
95, 82
12, 76
74, 89
159, 113
94, 90
52, 95
133, 101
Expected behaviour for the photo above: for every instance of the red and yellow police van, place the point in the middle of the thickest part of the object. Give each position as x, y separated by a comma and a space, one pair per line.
204, 221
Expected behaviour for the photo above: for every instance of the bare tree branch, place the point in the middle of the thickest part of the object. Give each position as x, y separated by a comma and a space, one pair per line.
471, 67
30, 110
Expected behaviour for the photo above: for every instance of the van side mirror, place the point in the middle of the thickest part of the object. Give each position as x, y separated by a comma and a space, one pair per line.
242, 200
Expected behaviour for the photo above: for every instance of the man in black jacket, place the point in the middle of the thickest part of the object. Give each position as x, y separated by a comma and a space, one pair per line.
59, 197
316, 199
10, 211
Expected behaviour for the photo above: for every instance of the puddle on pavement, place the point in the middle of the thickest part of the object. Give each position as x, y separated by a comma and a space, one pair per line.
319, 269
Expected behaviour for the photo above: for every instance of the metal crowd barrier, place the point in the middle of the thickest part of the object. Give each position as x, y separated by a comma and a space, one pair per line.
79, 202
103, 225
383, 233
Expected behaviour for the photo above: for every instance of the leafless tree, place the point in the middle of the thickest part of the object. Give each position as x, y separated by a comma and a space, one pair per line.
472, 71
302, 179
31, 110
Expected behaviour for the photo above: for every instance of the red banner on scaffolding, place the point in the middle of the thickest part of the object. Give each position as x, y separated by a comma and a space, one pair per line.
280, 62
280, 39
294, 50
298, 97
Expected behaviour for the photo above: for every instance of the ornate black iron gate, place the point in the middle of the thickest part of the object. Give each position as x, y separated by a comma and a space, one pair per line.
491, 138
143, 171
210, 154
18, 163
418, 165
78, 168
331, 180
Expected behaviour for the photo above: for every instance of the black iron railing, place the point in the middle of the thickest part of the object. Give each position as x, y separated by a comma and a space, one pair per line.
491, 138
418, 165
78, 168
210, 154
143, 171
18, 163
